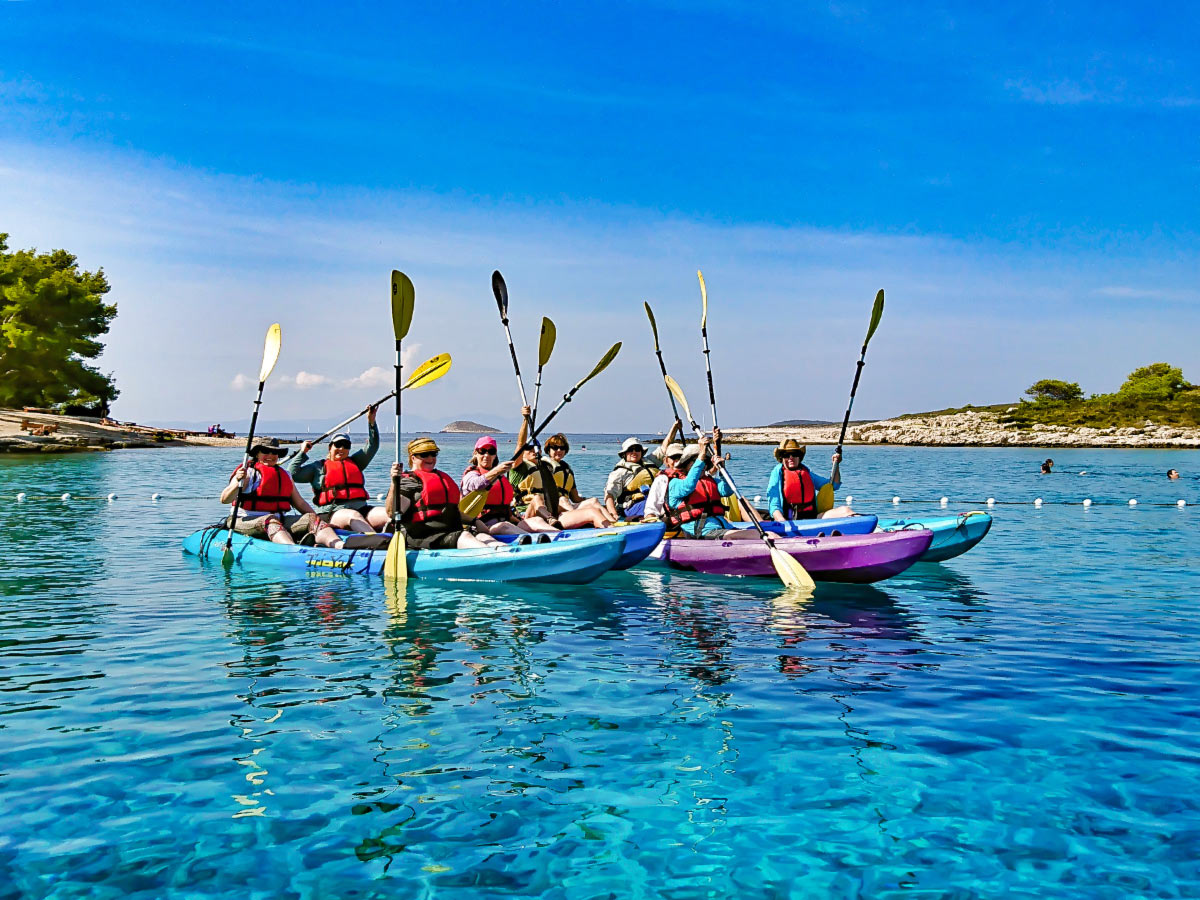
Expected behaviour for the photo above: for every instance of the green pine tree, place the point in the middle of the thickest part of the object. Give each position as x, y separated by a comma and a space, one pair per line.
50, 316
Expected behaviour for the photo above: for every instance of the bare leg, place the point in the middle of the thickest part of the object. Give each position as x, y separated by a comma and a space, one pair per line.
327, 537
584, 518
503, 527
468, 539
536, 524
276, 532
838, 512
379, 519
350, 519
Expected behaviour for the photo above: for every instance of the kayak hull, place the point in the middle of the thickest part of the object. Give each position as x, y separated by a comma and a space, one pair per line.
574, 562
640, 540
853, 558
952, 535
817, 527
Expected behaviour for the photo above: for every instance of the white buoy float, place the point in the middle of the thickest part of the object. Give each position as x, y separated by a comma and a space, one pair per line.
757, 498
156, 497
112, 497
991, 501
21, 498
1087, 503
1132, 502
944, 501
896, 501
1181, 503
1037, 504
65, 497
379, 496
849, 499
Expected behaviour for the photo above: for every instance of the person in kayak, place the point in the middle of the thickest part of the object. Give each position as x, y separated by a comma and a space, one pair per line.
540, 493
499, 514
656, 497
695, 508
628, 484
792, 487
429, 504
1047, 467
557, 448
339, 489
267, 493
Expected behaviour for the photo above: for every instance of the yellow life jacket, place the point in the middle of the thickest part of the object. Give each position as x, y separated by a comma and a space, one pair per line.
635, 488
564, 476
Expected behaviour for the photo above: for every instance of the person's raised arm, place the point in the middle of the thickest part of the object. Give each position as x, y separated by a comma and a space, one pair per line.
364, 456
235, 485
523, 431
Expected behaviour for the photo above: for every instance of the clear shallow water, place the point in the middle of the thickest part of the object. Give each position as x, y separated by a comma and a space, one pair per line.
1022, 720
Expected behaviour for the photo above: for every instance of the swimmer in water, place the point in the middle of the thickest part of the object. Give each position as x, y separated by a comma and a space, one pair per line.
1172, 474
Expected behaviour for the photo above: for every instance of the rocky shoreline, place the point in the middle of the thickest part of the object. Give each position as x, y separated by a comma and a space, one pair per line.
972, 429
71, 434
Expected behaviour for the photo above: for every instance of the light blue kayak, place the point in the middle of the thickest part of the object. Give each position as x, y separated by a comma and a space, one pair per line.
560, 562
952, 535
640, 539
818, 527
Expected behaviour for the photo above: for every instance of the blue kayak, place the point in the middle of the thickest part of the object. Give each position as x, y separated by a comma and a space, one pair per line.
952, 535
818, 527
567, 562
640, 539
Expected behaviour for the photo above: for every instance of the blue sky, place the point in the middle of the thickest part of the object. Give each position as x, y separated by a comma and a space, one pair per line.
1021, 180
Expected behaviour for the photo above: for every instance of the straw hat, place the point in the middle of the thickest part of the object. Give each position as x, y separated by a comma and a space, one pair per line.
792, 445
422, 445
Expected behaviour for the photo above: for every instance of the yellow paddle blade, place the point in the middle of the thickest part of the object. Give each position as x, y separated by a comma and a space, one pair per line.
677, 393
395, 564
791, 573
602, 365
704, 299
430, 370
546, 341
825, 498
404, 296
876, 315
270, 352
472, 504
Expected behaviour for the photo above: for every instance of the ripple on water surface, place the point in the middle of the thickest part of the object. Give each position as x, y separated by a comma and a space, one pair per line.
1018, 721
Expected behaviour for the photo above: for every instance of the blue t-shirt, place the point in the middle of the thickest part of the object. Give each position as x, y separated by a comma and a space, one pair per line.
679, 489
775, 487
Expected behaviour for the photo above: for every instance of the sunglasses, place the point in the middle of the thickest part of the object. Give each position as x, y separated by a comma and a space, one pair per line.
487, 451
556, 447
341, 445
793, 456
432, 454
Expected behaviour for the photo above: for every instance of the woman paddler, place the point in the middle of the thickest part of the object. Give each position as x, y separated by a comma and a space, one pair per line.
694, 498
792, 487
429, 504
338, 485
267, 494
499, 514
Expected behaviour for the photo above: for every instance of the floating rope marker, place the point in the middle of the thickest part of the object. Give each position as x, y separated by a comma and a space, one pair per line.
112, 497
379, 496
156, 497
1133, 503
1181, 503
1037, 504
1087, 503
895, 501
21, 498
849, 500
991, 501
65, 497
943, 501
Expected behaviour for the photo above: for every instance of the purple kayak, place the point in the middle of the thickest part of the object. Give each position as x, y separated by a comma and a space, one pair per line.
856, 558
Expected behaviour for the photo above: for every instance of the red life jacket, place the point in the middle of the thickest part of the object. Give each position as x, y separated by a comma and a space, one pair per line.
273, 493
703, 502
799, 495
343, 481
499, 499
438, 494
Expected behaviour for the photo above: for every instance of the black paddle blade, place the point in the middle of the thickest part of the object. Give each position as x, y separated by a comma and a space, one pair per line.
500, 289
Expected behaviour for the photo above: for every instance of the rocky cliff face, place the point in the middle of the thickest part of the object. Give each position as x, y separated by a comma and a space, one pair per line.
973, 429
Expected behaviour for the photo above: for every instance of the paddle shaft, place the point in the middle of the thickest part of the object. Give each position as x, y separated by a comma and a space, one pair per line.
850, 405
537, 392
237, 501
674, 409
396, 481
712, 397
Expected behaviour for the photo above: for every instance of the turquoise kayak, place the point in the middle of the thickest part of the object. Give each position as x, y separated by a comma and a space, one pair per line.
560, 562
640, 539
952, 535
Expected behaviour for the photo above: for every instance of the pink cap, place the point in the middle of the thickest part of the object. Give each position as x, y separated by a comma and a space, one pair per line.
486, 441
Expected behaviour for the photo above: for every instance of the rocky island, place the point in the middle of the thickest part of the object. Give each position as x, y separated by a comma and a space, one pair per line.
462, 426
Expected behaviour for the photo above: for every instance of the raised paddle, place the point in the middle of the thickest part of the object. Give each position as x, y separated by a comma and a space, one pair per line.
712, 397
270, 355
500, 290
472, 503
404, 296
426, 373
876, 315
791, 573
545, 347
663, 366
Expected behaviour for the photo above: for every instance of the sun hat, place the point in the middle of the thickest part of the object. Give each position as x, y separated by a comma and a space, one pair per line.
422, 445
265, 443
340, 436
674, 450
790, 445
689, 455
486, 441
629, 444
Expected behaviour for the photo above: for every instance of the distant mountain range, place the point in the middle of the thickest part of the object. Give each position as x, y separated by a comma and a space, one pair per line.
786, 423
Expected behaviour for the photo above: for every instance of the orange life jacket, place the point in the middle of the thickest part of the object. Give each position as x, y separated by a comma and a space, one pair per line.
499, 499
799, 495
273, 493
438, 494
701, 503
342, 481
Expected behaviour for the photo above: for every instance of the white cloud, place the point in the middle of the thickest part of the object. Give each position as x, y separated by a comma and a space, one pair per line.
241, 382
376, 376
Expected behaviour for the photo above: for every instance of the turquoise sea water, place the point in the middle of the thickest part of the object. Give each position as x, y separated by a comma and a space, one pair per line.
1021, 721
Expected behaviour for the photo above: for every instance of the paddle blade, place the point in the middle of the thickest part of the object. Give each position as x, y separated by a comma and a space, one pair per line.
227, 557
500, 289
703, 299
472, 504
546, 341
876, 315
404, 296
395, 564
653, 324
430, 370
603, 364
270, 352
677, 393
791, 573
825, 498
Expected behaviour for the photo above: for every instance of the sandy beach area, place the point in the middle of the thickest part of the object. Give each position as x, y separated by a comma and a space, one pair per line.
19, 433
